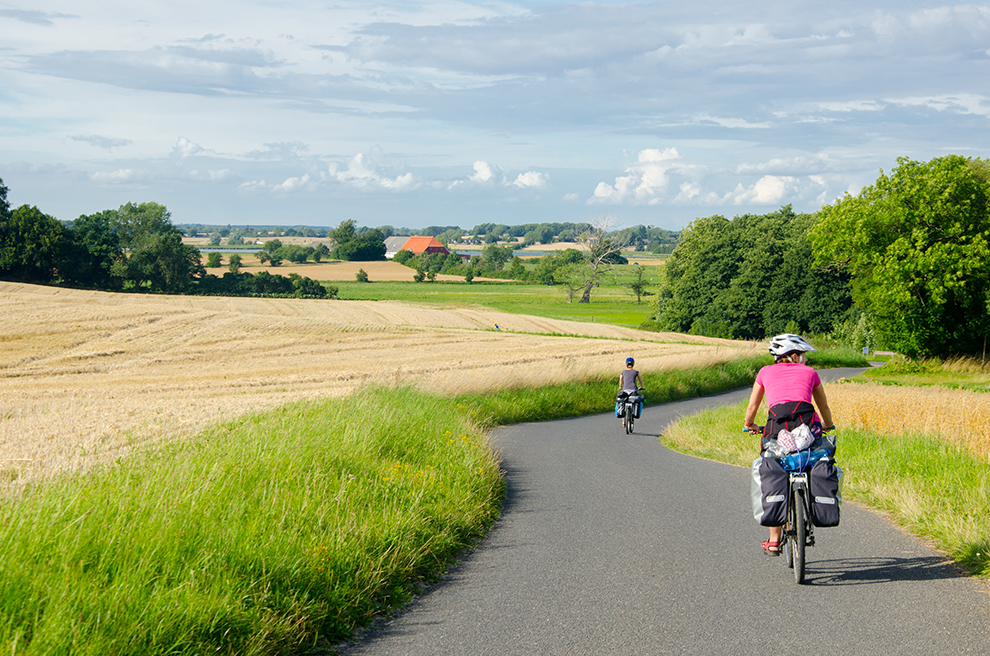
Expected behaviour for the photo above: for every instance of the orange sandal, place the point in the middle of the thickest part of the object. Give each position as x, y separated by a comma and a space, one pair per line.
771, 548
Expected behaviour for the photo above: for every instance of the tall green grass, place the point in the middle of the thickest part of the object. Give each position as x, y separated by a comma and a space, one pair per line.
931, 488
263, 535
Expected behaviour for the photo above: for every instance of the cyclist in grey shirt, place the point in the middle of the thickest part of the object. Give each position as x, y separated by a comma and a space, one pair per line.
630, 380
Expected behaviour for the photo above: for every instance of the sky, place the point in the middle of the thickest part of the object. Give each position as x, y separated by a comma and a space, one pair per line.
456, 113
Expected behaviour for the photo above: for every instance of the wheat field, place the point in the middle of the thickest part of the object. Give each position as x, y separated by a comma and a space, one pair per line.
86, 377
961, 417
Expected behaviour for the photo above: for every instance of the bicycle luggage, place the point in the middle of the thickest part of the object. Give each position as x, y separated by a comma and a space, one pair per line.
825, 482
769, 492
637, 406
620, 404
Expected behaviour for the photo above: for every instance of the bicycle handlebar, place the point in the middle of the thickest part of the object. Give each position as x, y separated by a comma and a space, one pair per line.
759, 429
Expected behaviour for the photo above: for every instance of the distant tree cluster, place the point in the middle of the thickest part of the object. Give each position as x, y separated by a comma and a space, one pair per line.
355, 245
237, 235
264, 284
275, 252
132, 248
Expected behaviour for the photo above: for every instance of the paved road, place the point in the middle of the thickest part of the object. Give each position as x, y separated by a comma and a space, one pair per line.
612, 544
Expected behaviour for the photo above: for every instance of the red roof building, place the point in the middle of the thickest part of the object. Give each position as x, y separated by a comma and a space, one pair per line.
420, 245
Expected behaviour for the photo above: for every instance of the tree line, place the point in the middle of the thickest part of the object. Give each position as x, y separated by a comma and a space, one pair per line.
904, 265
133, 248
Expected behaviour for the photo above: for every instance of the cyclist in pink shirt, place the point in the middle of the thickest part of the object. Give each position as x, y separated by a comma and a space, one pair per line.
790, 386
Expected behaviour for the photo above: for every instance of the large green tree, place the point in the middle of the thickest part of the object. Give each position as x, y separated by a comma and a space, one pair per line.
4, 205
917, 243
750, 277
156, 257
94, 249
31, 245
355, 246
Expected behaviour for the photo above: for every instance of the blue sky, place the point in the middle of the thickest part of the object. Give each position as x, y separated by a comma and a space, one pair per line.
457, 113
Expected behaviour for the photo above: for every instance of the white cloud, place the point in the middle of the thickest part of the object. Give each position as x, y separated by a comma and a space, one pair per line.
852, 106
362, 173
644, 183
253, 185
768, 190
689, 191
571, 198
293, 184
185, 148
119, 176
403, 181
732, 122
964, 103
106, 143
482, 172
531, 180
799, 165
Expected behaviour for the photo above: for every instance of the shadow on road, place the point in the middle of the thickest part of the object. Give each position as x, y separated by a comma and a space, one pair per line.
861, 571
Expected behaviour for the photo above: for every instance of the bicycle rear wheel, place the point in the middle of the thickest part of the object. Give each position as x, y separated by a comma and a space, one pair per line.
629, 419
800, 539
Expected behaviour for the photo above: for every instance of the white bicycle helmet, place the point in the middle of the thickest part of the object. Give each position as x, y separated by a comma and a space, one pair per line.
787, 343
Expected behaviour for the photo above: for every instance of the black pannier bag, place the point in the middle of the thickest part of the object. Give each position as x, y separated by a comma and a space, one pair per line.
825, 482
769, 492
620, 404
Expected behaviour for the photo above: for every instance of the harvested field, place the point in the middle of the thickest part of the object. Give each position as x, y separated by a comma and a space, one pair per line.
88, 376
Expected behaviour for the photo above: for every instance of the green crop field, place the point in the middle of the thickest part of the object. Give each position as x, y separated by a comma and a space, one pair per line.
612, 303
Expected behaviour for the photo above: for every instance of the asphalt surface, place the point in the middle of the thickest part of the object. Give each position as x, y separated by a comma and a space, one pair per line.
612, 544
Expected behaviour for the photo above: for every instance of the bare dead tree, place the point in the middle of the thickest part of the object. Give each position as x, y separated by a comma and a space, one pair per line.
602, 251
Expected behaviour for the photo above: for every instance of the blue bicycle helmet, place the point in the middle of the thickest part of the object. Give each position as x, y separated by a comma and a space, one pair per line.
630, 361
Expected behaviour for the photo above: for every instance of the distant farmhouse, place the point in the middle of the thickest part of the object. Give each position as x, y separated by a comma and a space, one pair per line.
417, 245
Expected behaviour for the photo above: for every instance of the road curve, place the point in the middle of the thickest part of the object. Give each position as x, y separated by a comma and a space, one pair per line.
612, 544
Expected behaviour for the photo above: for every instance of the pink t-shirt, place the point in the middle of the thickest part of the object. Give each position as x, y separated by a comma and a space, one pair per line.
787, 381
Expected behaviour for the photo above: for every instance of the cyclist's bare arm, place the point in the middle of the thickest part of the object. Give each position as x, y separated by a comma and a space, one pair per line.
755, 399
818, 394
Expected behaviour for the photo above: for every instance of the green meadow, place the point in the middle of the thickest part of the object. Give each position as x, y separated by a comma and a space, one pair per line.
612, 303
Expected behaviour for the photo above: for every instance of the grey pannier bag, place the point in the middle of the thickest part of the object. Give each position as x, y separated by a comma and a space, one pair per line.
769, 492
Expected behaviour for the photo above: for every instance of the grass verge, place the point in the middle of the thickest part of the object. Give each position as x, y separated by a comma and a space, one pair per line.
277, 533
267, 535
934, 489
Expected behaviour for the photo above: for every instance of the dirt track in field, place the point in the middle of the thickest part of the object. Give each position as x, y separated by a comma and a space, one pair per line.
88, 376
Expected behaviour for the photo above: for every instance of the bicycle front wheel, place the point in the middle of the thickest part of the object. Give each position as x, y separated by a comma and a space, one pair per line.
800, 534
